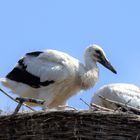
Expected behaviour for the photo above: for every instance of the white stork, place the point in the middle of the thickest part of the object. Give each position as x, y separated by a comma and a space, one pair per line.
55, 76
120, 92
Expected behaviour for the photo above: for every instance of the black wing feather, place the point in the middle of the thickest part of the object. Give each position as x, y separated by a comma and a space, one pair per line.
37, 53
20, 74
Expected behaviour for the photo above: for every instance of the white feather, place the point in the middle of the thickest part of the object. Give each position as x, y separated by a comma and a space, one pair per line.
120, 92
69, 74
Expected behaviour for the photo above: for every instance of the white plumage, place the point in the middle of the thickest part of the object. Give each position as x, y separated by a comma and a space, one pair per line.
55, 76
120, 92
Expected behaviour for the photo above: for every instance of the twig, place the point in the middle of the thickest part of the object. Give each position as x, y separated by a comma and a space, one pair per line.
91, 105
128, 102
85, 103
123, 106
21, 101
31, 100
94, 106
67, 107
16, 100
18, 108
8, 95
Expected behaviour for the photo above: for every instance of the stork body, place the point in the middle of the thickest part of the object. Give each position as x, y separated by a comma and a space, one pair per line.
54, 76
120, 92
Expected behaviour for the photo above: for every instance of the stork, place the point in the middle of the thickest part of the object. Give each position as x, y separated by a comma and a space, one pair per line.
120, 92
55, 76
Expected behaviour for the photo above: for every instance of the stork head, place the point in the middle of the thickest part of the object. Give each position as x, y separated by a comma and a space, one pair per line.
98, 55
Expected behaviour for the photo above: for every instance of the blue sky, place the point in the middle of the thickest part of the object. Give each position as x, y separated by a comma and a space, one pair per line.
70, 26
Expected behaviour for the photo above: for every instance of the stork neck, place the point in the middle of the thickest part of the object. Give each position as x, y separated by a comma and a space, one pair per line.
90, 64
89, 78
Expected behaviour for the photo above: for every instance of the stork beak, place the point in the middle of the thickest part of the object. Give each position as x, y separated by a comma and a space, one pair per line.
107, 64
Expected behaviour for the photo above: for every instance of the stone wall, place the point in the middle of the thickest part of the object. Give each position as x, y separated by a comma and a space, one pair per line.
70, 125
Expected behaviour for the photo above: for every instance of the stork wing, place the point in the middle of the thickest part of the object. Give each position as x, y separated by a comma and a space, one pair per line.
40, 68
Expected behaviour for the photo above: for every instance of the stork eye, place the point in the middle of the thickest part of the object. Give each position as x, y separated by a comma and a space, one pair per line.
98, 52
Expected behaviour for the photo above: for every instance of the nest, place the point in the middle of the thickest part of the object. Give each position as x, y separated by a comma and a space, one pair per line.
70, 125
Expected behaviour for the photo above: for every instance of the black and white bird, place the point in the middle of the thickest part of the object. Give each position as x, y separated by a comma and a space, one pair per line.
120, 92
55, 76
